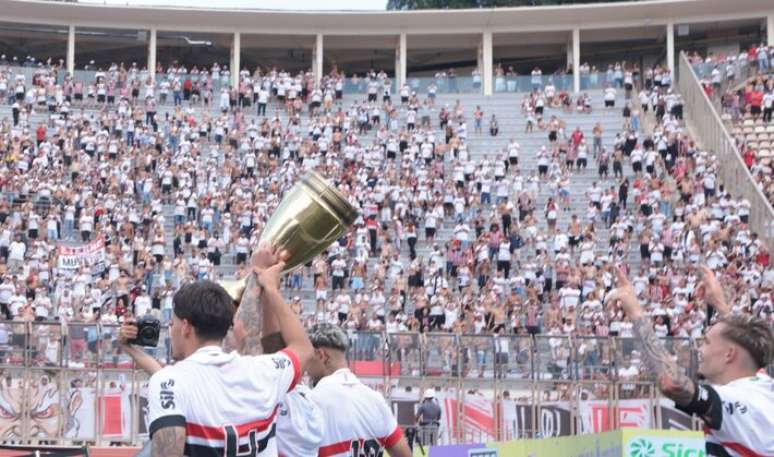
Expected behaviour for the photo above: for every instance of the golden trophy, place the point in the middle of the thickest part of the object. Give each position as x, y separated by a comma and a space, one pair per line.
310, 217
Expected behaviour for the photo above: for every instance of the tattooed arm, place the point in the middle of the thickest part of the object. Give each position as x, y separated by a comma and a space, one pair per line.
255, 317
671, 378
245, 337
168, 442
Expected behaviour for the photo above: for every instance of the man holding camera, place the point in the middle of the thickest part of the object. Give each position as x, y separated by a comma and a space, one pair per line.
300, 414
216, 403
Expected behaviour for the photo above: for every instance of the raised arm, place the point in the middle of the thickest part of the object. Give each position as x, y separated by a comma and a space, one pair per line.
292, 331
144, 361
256, 328
271, 340
245, 337
671, 378
713, 291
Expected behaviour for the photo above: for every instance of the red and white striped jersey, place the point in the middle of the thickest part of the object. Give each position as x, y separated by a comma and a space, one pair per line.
227, 403
738, 416
357, 418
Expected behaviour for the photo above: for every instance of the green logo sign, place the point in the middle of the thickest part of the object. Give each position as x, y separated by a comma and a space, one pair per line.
659, 447
641, 448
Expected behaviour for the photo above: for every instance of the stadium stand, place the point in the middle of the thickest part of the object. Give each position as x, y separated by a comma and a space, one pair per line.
489, 228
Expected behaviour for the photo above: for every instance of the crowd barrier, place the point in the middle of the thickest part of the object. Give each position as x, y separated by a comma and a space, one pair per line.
740, 69
562, 82
713, 135
71, 384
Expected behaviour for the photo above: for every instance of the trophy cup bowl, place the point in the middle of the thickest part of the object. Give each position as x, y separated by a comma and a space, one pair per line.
311, 216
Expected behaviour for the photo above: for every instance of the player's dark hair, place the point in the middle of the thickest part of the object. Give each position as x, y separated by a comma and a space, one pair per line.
207, 307
753, 334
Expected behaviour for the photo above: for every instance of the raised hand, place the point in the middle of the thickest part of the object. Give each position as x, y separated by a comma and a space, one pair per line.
713, 291
624, 293
267, 265
267, 256
263, 257
269, 278
127, 332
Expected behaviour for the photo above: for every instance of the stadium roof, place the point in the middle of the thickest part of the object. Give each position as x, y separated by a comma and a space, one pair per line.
586, 16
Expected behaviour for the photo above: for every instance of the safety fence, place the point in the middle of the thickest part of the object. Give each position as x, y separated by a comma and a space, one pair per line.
72, 384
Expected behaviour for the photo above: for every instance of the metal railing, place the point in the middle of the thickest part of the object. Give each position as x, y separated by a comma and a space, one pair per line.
71, 384
446, 85
562, 82
716, 138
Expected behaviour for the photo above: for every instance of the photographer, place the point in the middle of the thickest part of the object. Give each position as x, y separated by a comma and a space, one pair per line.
211, 401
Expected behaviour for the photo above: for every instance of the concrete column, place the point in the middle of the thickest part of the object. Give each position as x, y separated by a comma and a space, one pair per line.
487, 77
569, 51
480, 57
71, 50
576, 86
400, 61
236, 56
152, 53
317, 58
670, 48
770, 29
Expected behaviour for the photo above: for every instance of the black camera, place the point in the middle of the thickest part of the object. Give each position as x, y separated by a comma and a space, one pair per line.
148, 330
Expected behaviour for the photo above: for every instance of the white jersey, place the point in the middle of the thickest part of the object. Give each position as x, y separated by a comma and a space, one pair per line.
739, 417
227, 403
357, 418
300, 425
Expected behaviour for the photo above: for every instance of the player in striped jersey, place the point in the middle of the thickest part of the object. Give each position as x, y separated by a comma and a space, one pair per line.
358, 421
354, 420
737, 403
299, 426
213, 403
257, 330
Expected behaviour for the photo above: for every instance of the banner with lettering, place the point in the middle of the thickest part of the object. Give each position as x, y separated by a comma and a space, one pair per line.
92, 255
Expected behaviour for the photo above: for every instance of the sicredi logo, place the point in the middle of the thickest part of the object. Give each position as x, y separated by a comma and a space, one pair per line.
641, 448
664, 447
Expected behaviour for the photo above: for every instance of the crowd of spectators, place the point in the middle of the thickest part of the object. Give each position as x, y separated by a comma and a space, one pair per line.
744, 88
179, 173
